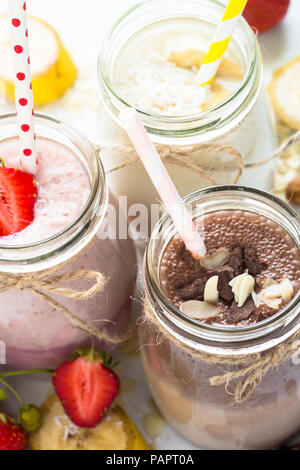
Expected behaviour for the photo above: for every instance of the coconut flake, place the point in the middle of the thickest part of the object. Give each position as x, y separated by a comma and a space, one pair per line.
211, 293
269, 281
271, 302
69, 428
273, 291
283, 290
255, 298
242, 286
198, 310
215, 260
287, 290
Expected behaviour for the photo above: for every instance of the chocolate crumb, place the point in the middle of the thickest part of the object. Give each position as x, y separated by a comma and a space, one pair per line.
255, 244
226, 274
236, 260
237, 314
251, 260
193, 291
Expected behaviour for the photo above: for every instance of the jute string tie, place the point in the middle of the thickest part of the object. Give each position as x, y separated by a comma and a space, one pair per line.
47, 281
184, 156
247, 370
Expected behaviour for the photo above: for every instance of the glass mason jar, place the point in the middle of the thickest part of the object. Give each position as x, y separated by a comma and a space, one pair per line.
180, 379
34, 332
244, 121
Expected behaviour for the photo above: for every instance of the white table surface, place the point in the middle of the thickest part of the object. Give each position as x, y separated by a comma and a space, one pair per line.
81, 25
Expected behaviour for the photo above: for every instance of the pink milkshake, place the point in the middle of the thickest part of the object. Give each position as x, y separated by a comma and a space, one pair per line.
67, 228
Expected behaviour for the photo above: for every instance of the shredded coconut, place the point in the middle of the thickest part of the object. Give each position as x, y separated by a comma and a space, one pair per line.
151, 83
69, 428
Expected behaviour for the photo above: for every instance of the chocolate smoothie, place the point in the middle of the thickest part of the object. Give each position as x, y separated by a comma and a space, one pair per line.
250, 273
251, 270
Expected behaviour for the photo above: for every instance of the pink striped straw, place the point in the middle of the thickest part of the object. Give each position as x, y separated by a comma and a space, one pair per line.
162, 182
23, 85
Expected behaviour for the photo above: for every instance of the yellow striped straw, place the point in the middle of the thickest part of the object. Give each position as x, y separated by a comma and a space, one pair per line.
222, 36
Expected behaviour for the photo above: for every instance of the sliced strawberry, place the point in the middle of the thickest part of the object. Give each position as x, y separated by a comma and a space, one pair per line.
18, 193
264, 14
86, 388
12, 436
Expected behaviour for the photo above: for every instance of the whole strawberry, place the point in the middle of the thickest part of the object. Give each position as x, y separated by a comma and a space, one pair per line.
264, 14
86, 387
12, 436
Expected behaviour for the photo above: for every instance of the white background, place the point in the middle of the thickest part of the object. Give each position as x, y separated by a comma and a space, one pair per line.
81, 25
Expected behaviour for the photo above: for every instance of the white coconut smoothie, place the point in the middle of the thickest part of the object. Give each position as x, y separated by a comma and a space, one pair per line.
157, 71
150, 61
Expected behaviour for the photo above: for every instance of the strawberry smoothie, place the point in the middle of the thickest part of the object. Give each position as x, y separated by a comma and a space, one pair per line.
59, 199
36, 334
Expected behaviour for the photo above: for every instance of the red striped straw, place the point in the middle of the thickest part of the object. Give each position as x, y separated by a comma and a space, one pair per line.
23, 85
162, 182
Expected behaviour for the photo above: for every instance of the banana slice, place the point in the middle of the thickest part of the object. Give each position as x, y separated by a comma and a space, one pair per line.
53, 70
284, 91
193, 58
57, 432
218, 97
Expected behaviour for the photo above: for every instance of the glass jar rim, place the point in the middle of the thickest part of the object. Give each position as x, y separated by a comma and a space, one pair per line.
98, 186
212, 334
114, 101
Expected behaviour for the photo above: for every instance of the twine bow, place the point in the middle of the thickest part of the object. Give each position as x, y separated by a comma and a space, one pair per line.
248, 377
48, 281
184, 156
